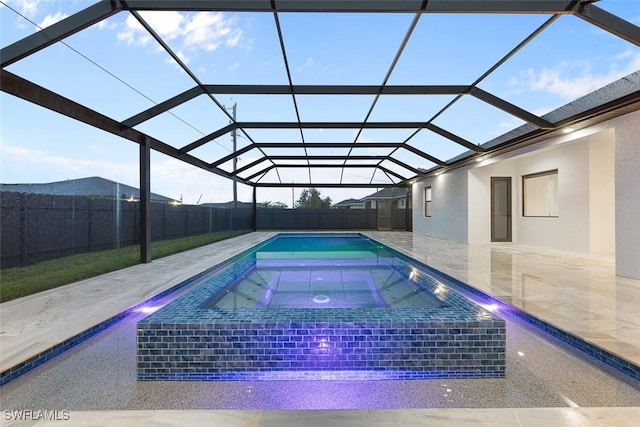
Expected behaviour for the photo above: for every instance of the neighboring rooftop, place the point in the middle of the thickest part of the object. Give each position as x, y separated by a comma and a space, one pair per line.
387, 193
94, 186
348, 203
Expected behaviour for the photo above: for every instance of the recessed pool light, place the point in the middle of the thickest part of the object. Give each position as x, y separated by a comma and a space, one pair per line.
147, 309
490, 307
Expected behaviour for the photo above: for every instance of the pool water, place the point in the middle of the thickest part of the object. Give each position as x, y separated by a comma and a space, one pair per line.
320, 243
321, 272
260, 315
364, 286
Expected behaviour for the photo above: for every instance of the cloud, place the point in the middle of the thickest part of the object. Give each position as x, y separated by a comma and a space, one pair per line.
571, 80
173, 178
184, 58
53, 165
234, 38
52, 19
508, 124
168, 24
169, 177
134, 33
105, 24
208, 30
307, 64
185, 32
28, 8
32, 8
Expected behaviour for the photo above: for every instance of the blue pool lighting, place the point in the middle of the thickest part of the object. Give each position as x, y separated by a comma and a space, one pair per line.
300, 304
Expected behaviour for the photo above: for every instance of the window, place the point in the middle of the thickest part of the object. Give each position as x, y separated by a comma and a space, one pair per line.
427, 201
540, 194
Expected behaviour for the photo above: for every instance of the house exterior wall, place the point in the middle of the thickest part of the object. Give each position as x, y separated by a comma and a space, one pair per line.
585, 180
602, 201
627, 195
570, 230
449, 207
480, 198
599, 195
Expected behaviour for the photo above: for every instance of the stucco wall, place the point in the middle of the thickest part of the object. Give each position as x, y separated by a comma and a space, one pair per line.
602, 208
627, 194
480, 198
570, 230
449, 207
599, 191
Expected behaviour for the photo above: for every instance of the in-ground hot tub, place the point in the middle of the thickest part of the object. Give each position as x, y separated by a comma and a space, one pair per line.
303, 304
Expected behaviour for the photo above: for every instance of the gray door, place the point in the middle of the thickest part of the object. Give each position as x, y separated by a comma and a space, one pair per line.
501, 209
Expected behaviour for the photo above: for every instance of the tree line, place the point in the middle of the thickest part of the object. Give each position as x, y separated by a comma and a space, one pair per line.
310, 198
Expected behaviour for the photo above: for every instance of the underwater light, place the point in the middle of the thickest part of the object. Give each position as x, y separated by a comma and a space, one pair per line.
490, 307
148, 309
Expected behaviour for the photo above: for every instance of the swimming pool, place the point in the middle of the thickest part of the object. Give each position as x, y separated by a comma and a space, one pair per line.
333, 272
305, 303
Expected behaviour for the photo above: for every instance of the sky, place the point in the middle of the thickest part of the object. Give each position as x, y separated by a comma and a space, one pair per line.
117, 69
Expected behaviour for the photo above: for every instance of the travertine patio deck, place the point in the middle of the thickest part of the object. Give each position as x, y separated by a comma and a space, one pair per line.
576, 292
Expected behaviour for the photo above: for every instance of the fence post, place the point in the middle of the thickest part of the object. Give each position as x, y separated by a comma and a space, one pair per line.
254, 210
164, 221
90, 225
185, 208
23, 230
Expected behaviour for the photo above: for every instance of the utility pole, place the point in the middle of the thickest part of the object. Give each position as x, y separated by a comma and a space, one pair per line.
234, 137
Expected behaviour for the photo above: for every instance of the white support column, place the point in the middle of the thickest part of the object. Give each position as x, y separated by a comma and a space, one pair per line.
628, 196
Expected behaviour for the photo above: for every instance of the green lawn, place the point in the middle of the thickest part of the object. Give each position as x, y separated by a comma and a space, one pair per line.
21, 281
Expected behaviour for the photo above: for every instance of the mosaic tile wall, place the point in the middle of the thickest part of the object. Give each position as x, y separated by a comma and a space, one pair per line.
184, 341
437, 349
